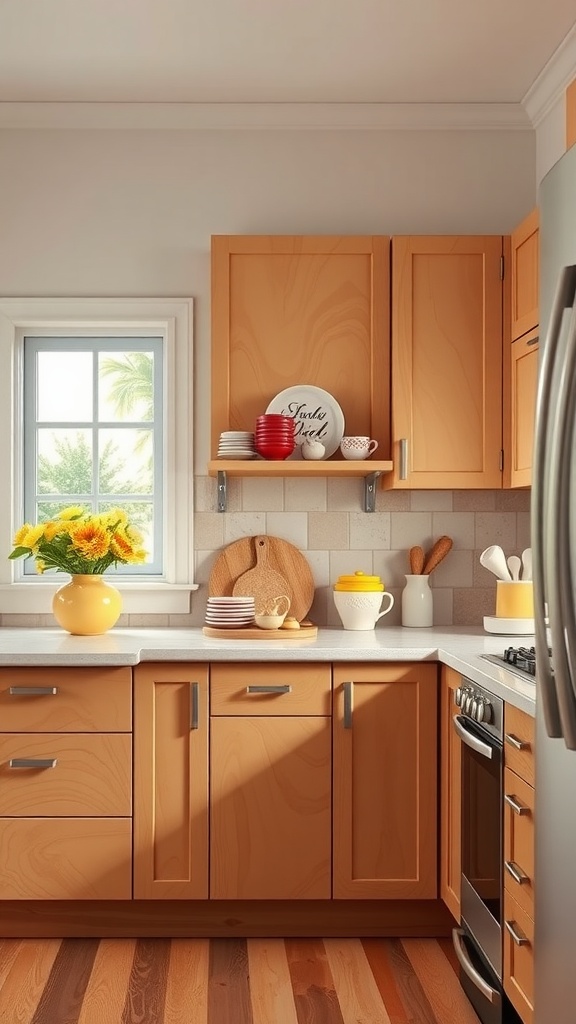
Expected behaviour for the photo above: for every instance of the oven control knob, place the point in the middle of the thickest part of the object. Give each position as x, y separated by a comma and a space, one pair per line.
487, 714
458, 696
468, 701
480, 709
473, 710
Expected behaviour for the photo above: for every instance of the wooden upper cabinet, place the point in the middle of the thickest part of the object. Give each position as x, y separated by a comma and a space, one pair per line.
524, 276
446, 362
524, 380
290, 309
385, 799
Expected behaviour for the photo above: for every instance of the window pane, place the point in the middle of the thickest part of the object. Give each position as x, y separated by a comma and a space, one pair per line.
126, 386
64, 462
51, 509
125, 461
64, 391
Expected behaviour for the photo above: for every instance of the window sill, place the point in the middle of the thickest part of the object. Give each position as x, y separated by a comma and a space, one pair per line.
35, 598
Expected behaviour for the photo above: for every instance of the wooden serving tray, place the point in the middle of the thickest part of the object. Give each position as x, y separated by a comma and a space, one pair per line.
255, 633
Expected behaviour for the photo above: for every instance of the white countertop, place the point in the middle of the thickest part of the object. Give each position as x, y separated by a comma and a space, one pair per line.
459, 647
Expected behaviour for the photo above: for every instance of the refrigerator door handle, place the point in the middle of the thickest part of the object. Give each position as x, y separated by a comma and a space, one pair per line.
544, 483
562, 637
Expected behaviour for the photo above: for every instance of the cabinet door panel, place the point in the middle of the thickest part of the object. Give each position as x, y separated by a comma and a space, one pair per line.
525, 272
385, 801
519, 959
446, 361
66, 858
524, 373
171, 781
519, 841
450, 795
270, 823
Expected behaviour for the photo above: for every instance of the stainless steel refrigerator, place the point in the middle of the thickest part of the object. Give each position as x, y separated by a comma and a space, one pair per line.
554, 550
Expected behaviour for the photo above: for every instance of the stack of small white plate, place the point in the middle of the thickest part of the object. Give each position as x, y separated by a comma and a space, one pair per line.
236, 444
229, 612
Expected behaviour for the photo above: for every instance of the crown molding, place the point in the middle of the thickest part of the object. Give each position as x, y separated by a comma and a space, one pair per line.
551, 83
267, 116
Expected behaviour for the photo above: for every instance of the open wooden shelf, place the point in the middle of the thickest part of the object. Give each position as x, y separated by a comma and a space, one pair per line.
297, 467
368, 469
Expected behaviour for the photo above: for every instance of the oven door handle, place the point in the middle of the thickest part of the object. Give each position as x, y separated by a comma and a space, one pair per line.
491, 994
471, 739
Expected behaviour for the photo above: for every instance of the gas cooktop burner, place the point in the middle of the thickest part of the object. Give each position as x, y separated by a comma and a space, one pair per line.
523, 658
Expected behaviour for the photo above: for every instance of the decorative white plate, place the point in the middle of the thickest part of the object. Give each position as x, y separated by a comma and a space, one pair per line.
316, 414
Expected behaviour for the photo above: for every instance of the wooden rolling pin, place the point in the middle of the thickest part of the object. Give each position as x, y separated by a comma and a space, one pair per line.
437, 552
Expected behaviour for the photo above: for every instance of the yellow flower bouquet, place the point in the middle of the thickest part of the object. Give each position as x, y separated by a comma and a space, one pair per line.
80, 543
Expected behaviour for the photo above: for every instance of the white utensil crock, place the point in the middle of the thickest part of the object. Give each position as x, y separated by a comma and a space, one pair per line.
417, 606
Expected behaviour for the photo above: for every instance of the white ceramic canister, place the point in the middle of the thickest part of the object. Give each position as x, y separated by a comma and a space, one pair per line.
359, 600
417, 605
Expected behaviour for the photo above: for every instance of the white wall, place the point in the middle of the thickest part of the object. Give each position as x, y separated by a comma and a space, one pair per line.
130, 213
551, 138
99, 212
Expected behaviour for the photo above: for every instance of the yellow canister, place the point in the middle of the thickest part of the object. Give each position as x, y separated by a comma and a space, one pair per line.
514, 599
359, 582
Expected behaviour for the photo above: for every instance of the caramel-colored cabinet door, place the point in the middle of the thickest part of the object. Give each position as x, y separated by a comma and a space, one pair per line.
446, 362
525, 243
270, 818
290, 310
171, 781
524, 374
385, 777
450, 795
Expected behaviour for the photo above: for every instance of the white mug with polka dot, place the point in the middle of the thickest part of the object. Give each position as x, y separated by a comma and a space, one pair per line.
357, 447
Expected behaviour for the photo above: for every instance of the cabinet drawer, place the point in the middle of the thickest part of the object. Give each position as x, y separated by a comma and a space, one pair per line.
519, 736
66, 699
519, 841
293, 689
66, 858
91, 776
518, 958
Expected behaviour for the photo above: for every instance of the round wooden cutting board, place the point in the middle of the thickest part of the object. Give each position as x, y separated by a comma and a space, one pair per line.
283, 558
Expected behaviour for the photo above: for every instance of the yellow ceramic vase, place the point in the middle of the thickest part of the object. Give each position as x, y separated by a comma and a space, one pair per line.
87, 605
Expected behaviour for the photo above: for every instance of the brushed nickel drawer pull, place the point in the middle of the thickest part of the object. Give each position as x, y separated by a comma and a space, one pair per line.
513, 741
348, 704
32, 691
268, 689
517, 807
533, 341
32, 762
516, 872
519, 938
194, 695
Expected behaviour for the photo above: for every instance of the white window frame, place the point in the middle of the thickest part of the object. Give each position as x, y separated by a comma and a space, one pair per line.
169, 318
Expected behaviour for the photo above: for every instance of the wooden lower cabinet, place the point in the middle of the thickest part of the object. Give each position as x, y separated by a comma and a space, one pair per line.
65, 784
450, 794
518, 938
385, 777
171, 781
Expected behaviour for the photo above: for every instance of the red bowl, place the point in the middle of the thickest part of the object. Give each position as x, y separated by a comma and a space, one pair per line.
284, 434
274, 417
274, 449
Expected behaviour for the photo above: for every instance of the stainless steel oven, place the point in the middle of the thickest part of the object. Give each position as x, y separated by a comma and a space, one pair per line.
478, 721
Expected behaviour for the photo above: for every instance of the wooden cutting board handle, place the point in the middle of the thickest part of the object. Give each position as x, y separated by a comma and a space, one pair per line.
263, 582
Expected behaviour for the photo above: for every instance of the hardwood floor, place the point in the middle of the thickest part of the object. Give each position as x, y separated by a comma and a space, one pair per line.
230, 981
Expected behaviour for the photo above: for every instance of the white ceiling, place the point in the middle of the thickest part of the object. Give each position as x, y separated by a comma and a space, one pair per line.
277, 51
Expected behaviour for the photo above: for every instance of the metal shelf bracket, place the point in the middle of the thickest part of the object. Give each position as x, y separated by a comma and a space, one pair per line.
370, 491
221, 491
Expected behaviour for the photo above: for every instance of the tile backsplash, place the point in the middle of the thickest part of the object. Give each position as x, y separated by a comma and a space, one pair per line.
323, 517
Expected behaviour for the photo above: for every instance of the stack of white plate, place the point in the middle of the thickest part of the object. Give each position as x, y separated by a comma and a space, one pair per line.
229, 612
236, 444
